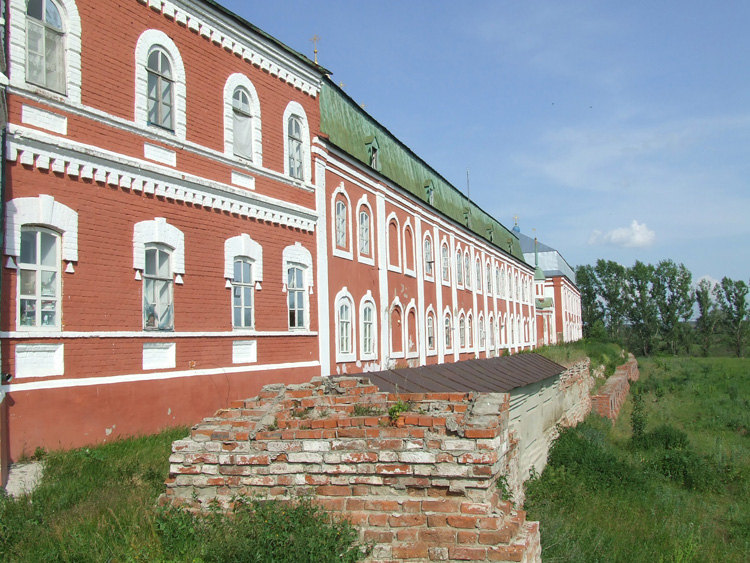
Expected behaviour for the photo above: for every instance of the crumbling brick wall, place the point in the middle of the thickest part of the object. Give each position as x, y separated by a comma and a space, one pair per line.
421, 484
611, 396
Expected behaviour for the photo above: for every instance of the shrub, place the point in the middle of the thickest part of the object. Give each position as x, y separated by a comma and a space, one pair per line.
686, 468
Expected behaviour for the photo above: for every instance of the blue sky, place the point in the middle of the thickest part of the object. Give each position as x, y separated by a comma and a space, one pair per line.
616, 130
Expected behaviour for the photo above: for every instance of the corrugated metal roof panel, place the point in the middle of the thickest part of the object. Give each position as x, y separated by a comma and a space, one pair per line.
492, 375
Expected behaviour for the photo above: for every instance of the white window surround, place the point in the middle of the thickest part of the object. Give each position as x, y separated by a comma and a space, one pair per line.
295, 109
158, 231
397, 266
459, 266
298, 255
343, 296
481, 334
39, 360
470, 331
407, 270
41, 211
243, 245
17, 49
365, 259
337, 250
159, 355
478, 285
233, 82
368, 300
155, 38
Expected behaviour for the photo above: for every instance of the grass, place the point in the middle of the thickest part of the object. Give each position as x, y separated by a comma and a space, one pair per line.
99, 504
679, 490
608, 354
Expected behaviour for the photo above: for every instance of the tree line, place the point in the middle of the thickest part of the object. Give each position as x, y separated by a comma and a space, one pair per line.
657, 308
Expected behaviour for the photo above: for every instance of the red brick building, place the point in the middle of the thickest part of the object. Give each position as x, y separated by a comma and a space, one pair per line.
193, 210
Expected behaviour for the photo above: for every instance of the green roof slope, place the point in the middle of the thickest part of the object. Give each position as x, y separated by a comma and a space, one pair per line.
350, 128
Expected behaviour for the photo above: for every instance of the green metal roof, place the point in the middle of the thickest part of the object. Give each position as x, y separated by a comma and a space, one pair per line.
350, 128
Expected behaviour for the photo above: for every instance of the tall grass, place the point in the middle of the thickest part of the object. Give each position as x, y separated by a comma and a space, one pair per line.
677, 490
608, 354
99, 504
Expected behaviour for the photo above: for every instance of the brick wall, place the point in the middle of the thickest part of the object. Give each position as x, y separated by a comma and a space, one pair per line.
611, 396
423, 486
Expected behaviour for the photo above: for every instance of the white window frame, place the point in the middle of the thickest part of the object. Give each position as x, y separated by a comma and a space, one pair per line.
234, 82
364, 206
297, 255
17, 49
242, 285
428, 253
447, 332
294, 109
38, 268
445, 263
478, 285
470, 332
431, 319
462, 332
344, 299
411, 307
459, 267
150, 39
368, 302
159, 248
467, 270
340, 195
481, 334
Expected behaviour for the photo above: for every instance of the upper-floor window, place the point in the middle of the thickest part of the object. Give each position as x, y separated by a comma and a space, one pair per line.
364, 232
445, 263
488, 275
242, 123
242, 293
341, 223
408, 249
294, 139
459, 267
45, 45
467, 270
478, 270
158, 303
296, 296
160, 90
429, 260
394, 243
373, 152
39, 286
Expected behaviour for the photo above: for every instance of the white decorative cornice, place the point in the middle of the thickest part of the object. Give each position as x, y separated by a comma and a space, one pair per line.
225, 34
63, 156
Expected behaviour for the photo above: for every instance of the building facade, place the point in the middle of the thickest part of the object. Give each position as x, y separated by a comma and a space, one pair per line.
193, 210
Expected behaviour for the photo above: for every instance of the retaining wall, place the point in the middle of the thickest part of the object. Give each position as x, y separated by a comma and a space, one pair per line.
611, 396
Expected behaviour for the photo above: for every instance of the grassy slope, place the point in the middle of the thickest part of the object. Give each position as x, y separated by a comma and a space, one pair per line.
604, 499
99, 504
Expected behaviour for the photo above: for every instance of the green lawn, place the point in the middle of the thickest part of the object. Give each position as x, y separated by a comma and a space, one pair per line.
679, 492
99, 504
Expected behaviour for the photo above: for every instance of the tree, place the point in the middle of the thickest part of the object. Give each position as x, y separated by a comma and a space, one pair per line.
731, 297
591, 307
610, 287
641, 310
674, 300
708, 316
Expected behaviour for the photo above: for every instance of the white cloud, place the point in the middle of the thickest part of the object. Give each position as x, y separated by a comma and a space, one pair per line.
637, 235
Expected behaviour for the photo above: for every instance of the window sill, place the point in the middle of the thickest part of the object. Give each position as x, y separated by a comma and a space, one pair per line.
366, 260
346, 254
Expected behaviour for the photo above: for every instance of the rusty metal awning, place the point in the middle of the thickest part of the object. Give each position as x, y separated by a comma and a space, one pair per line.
491, 375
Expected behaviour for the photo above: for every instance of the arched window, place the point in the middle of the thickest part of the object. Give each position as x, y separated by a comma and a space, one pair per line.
478, 270
408, 249
429, 260
158, 299
482, 332
242, 123
364, 231
296, 143
469, 331
488, 275
45, 45
394, 239
344, 340
294, 138
298, 284
467, 270
445, 263
430, 330
459, 267
160, 92
39, 285
448, 330
411, 331
368, 328
397, 334
242, 293
492, 333
341, 223
462, 332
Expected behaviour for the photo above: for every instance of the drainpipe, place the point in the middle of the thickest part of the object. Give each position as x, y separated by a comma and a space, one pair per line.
4, 126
